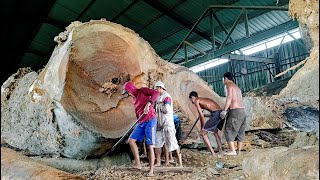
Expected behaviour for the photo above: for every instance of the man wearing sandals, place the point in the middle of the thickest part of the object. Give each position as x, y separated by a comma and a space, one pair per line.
143, 100
166, 132
236, 120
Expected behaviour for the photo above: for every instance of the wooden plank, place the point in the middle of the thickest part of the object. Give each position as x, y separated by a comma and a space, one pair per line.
158, 169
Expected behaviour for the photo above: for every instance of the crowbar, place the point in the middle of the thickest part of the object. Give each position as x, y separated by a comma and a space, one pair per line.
124, 136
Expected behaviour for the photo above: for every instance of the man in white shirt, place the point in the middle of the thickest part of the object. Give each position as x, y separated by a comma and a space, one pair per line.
166, 132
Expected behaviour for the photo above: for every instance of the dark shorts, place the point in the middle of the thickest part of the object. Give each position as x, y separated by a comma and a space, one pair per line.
236, 125
215, 122
146, 129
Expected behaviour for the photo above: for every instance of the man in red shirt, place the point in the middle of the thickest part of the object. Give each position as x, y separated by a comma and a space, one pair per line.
144, 100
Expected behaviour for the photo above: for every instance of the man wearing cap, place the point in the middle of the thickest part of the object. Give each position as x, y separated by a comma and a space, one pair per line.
143, 100
166, 132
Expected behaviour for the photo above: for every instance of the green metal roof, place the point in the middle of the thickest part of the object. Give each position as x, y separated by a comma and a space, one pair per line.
164, 24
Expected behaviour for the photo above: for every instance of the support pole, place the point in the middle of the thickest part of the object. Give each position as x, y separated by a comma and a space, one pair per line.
185, 52
195, 25
246, 23
232, 28
221, 25
212, 32
194, 47
277, 60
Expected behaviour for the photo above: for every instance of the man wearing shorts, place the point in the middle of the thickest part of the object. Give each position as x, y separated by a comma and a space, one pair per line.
236, 120
144, 99
166, 132
213, 124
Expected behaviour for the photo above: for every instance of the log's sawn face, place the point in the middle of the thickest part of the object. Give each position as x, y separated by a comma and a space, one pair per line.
100, 63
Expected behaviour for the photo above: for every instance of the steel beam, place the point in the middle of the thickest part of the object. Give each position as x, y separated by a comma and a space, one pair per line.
212, 31
246, 23
247, 58
231, 30
162, 14
124, 10
218, 43
194, 47
222, 26
277, 59
262, 8
300, 43
59, 24
280, 8
161, 8
185, 53
85, 9
245, 42
189, 33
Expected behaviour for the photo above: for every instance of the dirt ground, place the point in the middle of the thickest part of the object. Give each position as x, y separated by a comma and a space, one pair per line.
203, 165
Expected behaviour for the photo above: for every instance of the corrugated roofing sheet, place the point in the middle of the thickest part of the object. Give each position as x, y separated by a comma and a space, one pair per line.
164, 28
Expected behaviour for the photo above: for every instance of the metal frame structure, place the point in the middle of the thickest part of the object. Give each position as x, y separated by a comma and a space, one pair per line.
221, 48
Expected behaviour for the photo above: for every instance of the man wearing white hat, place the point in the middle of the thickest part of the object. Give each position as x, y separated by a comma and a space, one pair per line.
166, 132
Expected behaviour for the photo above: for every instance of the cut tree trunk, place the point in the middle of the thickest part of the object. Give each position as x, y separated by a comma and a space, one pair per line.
76, 99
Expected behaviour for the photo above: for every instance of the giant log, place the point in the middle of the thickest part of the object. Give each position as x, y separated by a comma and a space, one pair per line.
74, 106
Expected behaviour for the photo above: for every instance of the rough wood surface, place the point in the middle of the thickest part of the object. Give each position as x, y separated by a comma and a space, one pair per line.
92, 71
17, 166
304, 85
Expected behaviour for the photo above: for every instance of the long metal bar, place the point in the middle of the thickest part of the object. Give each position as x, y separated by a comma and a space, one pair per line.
300, 43
224, 29
283, 8
198, 21
222, 26
85, 9
185, 52
124, 136
124, 10
194, 47
248, 58
159, 16
246, 23
232, 28
192, 128
212, 32
277, 59
232, 70
280, 45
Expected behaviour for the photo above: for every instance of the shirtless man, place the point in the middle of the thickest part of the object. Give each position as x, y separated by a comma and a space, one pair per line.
236, 120
213, 124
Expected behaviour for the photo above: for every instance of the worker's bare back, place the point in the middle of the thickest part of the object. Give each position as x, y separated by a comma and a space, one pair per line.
208, 104
236, 96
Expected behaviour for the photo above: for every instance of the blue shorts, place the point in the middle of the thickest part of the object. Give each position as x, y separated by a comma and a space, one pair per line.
146, 129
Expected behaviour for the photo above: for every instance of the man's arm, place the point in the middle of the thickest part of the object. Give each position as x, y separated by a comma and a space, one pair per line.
154, 95
228, 102
151, 92
229, 98
165, 105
